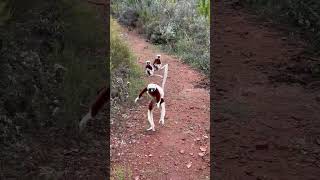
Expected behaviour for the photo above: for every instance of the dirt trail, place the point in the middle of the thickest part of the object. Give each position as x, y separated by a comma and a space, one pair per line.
165, 153
263, 130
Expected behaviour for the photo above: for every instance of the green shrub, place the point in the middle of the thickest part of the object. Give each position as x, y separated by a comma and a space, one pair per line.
171, 23
119, 51
301, 14
121, 58
5, 12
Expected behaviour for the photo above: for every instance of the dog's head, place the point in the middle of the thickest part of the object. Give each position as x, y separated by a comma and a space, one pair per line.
151, 87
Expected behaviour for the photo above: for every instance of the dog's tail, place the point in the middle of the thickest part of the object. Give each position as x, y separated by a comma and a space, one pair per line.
84, 120
165, 75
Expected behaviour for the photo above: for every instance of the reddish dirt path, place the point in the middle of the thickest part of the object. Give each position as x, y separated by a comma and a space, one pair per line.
165, 153
263, 130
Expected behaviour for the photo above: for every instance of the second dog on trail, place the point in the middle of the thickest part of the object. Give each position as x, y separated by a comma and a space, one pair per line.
149, 69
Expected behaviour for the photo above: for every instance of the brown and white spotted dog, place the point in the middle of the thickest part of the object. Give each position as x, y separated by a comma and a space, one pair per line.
157, 63
157, 95
96, 106
149, 69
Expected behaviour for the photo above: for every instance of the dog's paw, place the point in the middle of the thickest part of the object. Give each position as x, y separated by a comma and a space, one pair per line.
151, 128
161, 122
135, 101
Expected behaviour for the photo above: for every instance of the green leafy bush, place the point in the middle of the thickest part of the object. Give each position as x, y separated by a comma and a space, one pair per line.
123, 66
5, 12
172, 23
304, 14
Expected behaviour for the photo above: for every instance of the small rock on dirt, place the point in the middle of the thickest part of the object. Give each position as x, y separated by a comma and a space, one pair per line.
248, 172
203, 149
262, 146
248, 93
189, 165
181, 151
317, 141
201, 154
228, 29
137, 178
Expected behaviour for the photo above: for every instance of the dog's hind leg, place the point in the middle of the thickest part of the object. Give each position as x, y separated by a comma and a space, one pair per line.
165, 75
152, 122
150, 117
163, 113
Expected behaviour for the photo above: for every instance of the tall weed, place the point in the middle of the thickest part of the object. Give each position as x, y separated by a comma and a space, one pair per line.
122, 59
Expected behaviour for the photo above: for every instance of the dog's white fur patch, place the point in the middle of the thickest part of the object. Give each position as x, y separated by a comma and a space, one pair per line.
84, 120
163, 113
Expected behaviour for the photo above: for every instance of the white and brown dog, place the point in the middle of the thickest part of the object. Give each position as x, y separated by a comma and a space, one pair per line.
157, 62
157, 95
149, 69
96, 106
